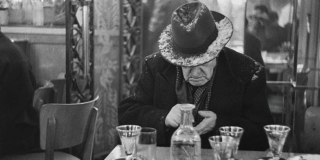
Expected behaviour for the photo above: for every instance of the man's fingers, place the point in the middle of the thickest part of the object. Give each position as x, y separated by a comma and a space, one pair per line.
208, 123
176, 120
201, 126
171, 122
174, 124
173, 117
207, 114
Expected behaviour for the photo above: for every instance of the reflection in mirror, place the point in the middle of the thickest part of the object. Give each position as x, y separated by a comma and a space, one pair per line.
267, 39
156, 16
268, 26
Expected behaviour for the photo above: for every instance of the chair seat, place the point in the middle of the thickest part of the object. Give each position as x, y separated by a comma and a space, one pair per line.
40, 156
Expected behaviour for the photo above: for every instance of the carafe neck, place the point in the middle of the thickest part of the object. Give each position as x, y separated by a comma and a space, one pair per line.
186, 118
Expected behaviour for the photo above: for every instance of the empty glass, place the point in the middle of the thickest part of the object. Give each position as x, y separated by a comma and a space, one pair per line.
222, 147
129, 136
147, 144
236, 133
277, 135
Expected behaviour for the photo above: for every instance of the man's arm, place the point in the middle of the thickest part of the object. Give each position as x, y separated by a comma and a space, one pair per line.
254, 115
138, 108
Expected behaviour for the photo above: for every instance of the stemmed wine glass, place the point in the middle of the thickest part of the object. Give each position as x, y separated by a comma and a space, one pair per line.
235, 132
277, 135
222, 147
129, 136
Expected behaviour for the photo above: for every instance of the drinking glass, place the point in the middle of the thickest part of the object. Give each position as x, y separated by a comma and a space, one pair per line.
147, 144
277, 135
236, 133
129, 136
222, 147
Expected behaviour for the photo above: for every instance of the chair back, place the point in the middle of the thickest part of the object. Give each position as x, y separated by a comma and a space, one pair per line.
59, 90
43, 83
68, 125
43, 95
310, 139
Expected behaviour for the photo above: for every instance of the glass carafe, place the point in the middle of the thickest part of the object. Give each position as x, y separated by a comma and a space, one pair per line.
185, 141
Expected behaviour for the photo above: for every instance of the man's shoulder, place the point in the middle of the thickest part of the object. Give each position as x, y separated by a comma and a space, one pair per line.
154, 57
156, 60
237, 57
242, 64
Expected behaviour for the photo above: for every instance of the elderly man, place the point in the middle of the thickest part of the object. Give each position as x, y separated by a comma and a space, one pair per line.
194, 66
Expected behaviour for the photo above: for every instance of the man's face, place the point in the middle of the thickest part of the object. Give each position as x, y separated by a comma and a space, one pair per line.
260, 15
199, 75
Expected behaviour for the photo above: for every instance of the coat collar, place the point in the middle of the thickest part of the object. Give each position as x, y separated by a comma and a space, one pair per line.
224, 66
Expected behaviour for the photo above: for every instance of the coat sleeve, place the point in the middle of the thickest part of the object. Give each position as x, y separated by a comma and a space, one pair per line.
255, 113
138, 109
252, 116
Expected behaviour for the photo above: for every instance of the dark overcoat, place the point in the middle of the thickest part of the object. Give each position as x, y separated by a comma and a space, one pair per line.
238, 99
19, 121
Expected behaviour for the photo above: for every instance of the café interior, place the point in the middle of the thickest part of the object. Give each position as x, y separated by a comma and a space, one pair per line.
92, 51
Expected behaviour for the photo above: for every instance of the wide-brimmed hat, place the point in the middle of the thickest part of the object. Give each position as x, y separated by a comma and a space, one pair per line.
195, 35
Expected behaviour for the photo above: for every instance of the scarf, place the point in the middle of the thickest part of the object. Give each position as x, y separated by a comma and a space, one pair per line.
199, 96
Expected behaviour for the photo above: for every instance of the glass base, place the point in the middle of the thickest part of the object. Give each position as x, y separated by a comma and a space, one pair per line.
124, 158
269, 158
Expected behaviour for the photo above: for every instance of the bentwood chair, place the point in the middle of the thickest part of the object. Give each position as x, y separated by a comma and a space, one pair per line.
59, 90
42, 95
63, 126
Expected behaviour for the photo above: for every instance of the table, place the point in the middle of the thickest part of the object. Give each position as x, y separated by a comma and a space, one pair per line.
206, 154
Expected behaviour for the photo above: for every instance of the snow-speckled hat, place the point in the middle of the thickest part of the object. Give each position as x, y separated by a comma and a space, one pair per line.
195, 35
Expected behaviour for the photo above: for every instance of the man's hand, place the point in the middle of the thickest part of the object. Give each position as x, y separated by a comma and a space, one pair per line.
174, 116
208, 123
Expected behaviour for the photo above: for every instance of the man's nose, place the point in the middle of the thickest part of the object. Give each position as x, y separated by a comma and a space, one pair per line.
195, 71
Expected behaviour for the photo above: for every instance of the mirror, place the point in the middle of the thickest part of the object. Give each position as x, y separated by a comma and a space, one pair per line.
268, 28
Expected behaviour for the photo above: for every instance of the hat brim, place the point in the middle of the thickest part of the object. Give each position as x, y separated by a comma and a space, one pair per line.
225, 30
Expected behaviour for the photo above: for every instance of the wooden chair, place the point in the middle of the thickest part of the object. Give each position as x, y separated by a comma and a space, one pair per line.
43, 95
59, 90
310, 137
63, 126
43, 83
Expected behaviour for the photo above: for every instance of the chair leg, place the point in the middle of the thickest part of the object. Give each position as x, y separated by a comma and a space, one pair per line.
50, 138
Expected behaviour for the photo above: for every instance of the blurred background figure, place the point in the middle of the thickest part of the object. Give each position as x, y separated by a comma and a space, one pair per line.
156, 17
275, 34
252, 45
264, 25
257, 20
